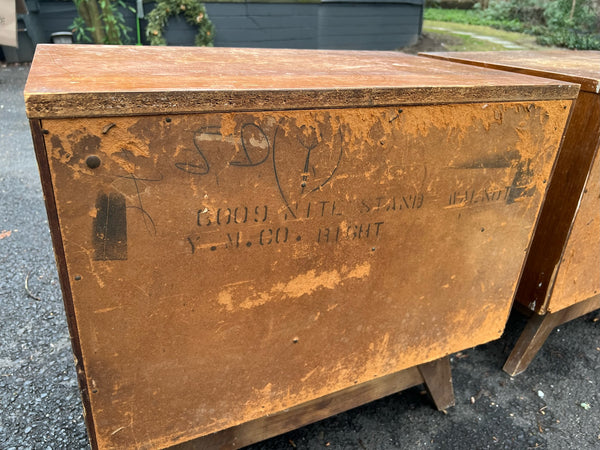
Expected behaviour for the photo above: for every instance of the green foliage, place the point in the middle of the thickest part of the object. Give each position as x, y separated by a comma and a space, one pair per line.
101, 22
471, 17
194, 13
559, 23
561, 14
571, 39
81, 32
527, 13
116, 30
453, 15
575, 26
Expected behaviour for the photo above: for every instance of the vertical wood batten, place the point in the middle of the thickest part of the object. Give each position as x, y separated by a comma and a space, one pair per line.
37, 133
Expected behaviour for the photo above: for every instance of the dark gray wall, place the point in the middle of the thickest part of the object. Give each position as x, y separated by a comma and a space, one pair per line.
377, 25
328, 24
274, 25
369, 26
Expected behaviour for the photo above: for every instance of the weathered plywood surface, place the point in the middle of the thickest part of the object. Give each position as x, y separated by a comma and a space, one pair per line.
582, 67
90, 80
223, 267
561, 211
578, 276
565, 247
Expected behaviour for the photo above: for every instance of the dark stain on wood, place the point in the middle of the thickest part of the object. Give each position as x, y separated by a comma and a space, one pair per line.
110, 228
87, 143
493, 161
522, 185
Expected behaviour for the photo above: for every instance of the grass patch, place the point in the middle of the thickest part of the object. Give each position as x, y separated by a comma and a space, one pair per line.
467, 37
470, 17
550, 26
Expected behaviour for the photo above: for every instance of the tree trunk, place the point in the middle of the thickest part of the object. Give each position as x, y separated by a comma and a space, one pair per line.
112, 30
90, 13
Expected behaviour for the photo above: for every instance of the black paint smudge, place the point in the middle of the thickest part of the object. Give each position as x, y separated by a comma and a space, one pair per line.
110, 228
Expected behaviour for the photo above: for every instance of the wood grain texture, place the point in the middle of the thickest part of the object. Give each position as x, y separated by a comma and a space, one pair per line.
538, 329
560, 214
274, 258
242, 233
566, 247
561, 278
41, 155
580, 67
530, 341
310, 412
87, 81
438, 381
578, 276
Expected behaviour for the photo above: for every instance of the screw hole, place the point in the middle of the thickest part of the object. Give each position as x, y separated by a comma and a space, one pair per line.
93, 161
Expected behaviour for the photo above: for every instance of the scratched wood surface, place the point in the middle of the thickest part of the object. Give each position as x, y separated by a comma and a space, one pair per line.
579, 67
223, 267
563, 267
578, 277
89, 80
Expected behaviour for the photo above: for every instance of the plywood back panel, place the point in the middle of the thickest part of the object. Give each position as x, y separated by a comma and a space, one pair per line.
565, 248
225, 266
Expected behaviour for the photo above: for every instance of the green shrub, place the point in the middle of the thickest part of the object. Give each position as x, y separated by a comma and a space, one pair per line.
560, 14
453, 15
471, 17
570, 39
553, 22
527, 12
101, 22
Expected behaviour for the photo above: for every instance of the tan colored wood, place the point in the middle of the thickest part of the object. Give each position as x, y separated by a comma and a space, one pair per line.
563, 266
230, 266
566, 245
558, 64
578, 277
87, 81
313, 411
438, 380
538, 329
557, 227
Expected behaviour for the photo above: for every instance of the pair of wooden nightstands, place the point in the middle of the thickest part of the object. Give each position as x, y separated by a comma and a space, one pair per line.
252, 240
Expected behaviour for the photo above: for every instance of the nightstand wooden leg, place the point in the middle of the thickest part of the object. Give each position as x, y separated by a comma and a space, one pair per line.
537, 330
437, 376
531, 340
